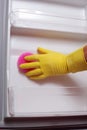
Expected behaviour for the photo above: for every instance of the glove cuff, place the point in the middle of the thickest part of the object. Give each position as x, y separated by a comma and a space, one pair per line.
76, 61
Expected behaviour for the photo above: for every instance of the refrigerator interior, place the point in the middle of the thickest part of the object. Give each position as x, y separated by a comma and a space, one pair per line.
57, 25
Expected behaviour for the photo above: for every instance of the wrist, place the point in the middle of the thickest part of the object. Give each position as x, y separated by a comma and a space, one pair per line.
76, 61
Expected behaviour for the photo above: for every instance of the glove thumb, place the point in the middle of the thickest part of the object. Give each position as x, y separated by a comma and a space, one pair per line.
43, 51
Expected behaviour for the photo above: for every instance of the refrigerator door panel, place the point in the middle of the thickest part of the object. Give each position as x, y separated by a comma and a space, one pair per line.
56, 25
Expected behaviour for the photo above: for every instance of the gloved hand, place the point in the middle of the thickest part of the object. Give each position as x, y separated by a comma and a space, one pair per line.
50, 63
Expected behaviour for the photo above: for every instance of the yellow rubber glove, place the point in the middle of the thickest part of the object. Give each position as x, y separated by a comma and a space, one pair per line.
49, 63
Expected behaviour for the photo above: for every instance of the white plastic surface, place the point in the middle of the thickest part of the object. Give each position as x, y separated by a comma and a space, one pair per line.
47, 21
61, 95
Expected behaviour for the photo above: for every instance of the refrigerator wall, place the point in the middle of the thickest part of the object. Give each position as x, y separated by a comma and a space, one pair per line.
57, 25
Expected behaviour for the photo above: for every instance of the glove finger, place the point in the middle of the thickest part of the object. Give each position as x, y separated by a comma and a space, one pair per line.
34, 72
43, 51
30, 65
38, 77
32, 57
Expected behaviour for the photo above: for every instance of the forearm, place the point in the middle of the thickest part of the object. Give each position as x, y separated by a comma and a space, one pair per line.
85, 52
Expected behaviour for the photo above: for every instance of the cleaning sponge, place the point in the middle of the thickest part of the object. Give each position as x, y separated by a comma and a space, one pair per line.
21, 60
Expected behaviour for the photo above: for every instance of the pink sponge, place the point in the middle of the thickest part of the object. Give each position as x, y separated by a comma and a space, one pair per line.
21, 60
